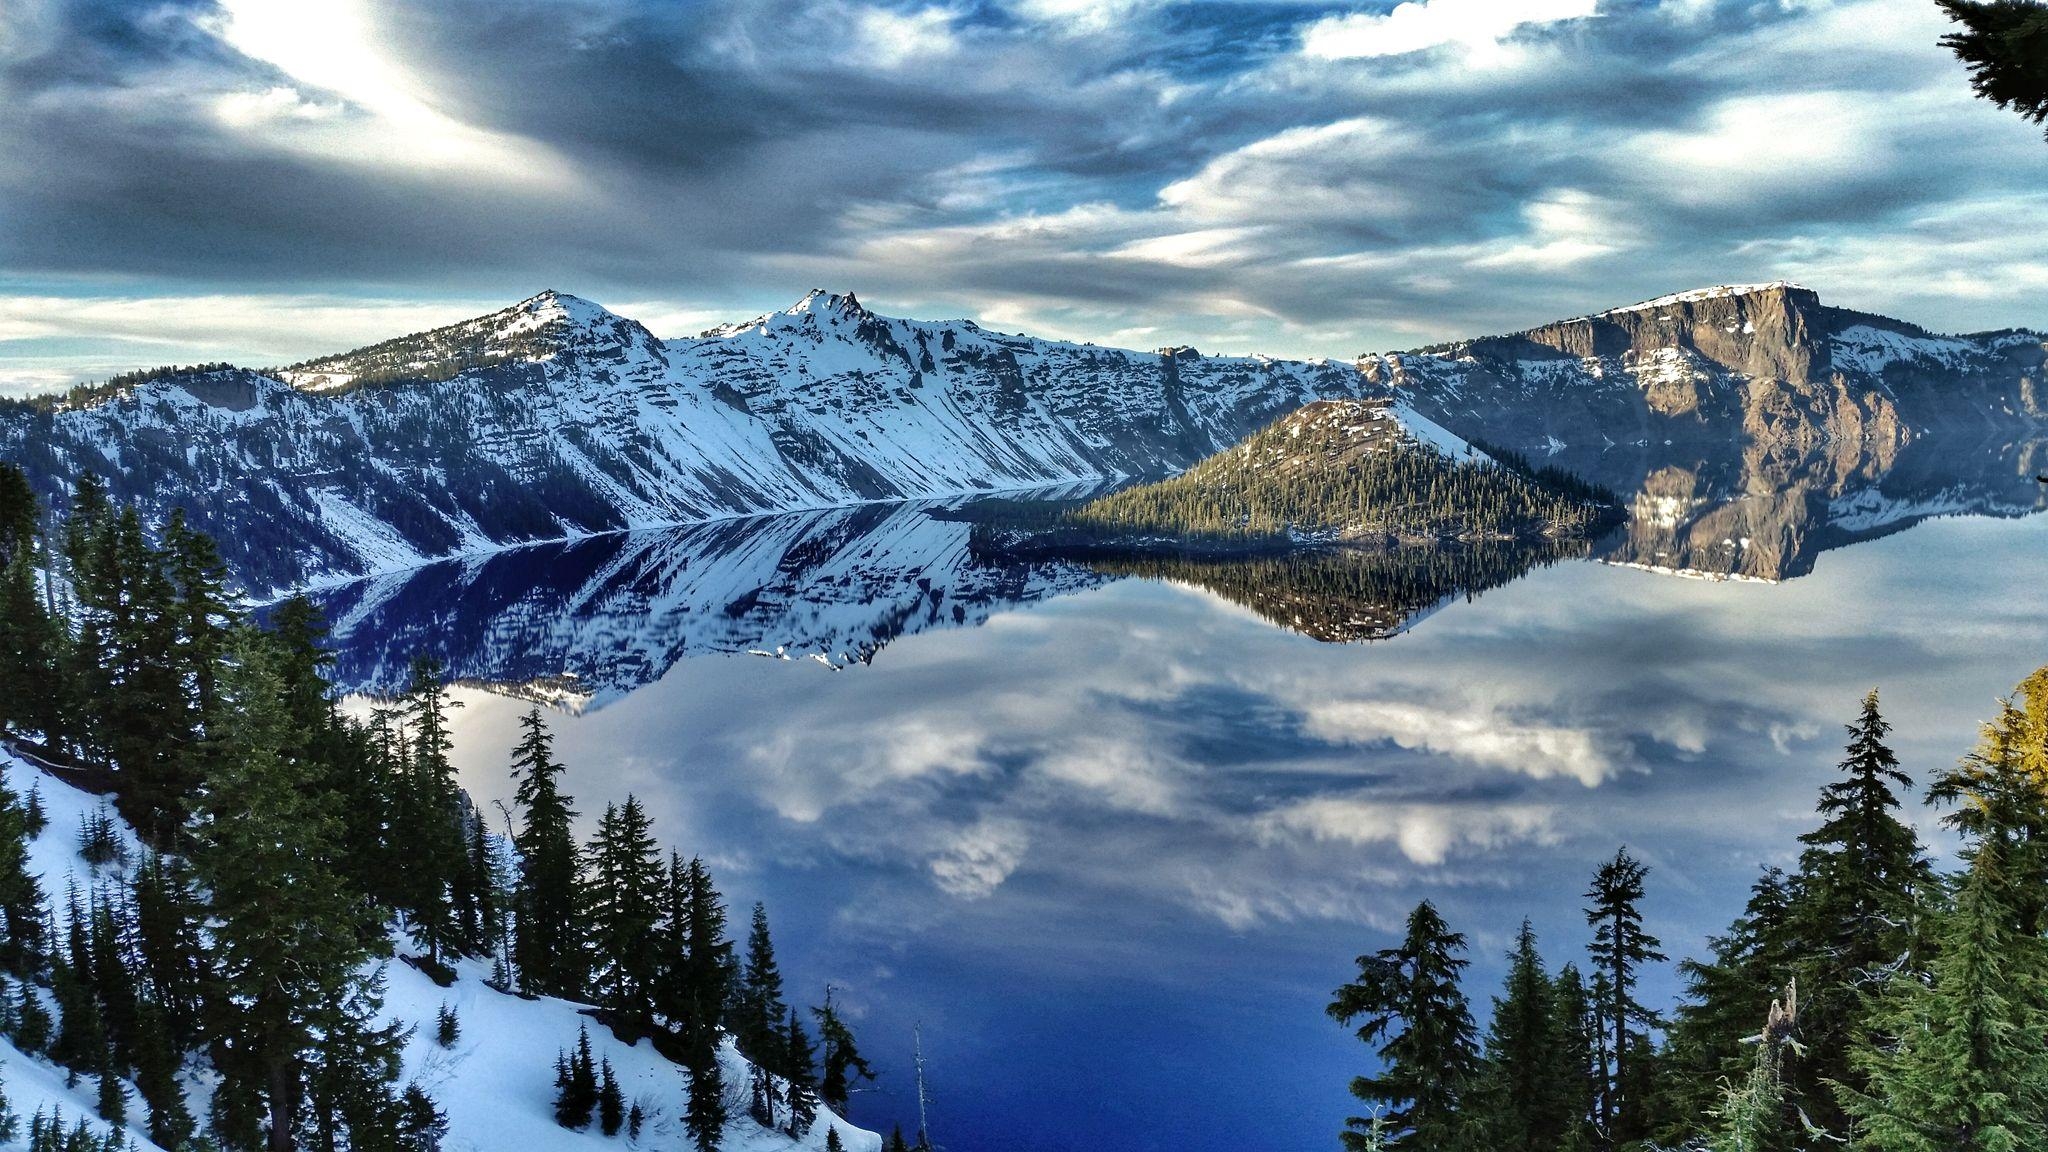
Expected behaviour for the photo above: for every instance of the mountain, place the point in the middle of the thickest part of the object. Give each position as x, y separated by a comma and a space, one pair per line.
555, 418
1753, 427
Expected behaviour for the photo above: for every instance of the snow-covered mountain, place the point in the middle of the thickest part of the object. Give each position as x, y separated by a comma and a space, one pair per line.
554, 418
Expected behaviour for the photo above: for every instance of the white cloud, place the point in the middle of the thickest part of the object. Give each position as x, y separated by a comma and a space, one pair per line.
888, 39
1470, 731
1426, 833
335, 46
1423, 24
976, 861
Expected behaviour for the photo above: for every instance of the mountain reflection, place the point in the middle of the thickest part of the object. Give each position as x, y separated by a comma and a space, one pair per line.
582, 623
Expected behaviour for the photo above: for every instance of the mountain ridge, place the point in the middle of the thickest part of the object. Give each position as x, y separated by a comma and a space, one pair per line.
555, 418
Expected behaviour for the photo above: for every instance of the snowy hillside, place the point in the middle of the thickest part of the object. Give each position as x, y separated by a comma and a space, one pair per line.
495, 1083
555, 418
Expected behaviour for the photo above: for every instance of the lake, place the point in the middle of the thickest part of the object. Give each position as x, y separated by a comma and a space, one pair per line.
1109, 842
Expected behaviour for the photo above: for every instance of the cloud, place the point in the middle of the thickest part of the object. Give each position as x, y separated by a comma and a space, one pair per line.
1426, 833
976, 861
1419, 25
1465, 730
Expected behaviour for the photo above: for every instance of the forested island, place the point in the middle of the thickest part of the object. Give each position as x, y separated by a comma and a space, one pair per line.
1356, 473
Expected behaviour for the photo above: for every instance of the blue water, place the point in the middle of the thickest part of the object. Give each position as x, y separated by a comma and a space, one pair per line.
1111, 849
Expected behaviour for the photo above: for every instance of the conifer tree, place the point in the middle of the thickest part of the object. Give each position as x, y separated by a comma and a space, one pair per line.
706, 975
1959, 1062
285, 932
624, 883
758, 1020
1752, 1114
611, 1103
430, 817
842, 1063
21, 896
1580, 1071
576, 1084
704, 1111
1412, 1012
1859, 879
1620, 948
2000, 798
2005, 45
1523, 1099
546, 940
798, 1068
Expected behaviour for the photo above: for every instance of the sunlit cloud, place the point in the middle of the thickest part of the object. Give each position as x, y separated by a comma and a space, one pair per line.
1419, 25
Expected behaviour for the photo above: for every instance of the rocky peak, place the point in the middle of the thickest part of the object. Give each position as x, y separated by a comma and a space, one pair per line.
1774, 331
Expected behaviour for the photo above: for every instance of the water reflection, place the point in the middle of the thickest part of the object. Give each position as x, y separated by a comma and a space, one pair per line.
1114, 845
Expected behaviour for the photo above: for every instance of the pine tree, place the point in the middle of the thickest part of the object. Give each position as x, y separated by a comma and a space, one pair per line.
430, 819
611, 1103
705, 977
1523, 1101
635, 1118
1752, 1115
1620, 948
447, 1027
832, 1141
421, 1123
1580, 1072
157, 1061
624, 882
546, 937
1414, 1015
797, 1067
1707, 1046
21, 896
896, 1142
842, 1064
1961, 1063
2005, 45
1860, 876
2002, 800
285, 931
704, 1112
576, 1086
757, 1022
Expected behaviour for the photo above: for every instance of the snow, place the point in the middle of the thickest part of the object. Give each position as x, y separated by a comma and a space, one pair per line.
1429, 432
1695, 295
496, 1083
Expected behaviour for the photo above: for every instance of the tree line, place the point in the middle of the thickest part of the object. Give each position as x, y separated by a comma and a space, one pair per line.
286, 846
1863, 1000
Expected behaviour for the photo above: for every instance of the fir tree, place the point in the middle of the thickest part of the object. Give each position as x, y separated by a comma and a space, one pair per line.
797, 1067
1752, 1115
421, 1123
1961, 1063
429, 817
1580, 1072
1620, 948
1415, 1017
285, 931
1524, 1101
624, 881
21, 896
2005, 45
635, 1118
611, 1103
704, 979
704, 1111
576, 1087
2001, 800
546, 935
447, 1027
1859, 879
757, 1021
842, 1063
832, 1141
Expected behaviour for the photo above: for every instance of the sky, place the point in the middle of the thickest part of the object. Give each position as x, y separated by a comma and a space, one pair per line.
264, 180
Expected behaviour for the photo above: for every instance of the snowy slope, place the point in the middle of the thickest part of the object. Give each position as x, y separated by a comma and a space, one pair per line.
554, 419
496, 1083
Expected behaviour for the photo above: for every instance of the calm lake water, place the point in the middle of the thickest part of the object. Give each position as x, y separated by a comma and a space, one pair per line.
1112, 842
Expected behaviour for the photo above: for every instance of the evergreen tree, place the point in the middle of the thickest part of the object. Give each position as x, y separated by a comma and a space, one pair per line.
285, 932
842, 1064
1708, 1047
421, 1124
1580, 1072
1960, 1061
546, 935
21, 896
704, 1111
1620, 948
576, 1086
832, 1141
1752, 1115
704, 979
1524, 1099
1860, 876
625, 880
157, 1060
430, 817
611, 1103
2005, 45
798, 1068
2002, 800
896, 1142
1412, 1012
757, 1022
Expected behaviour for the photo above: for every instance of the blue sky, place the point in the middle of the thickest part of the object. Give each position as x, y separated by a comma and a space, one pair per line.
260, 180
